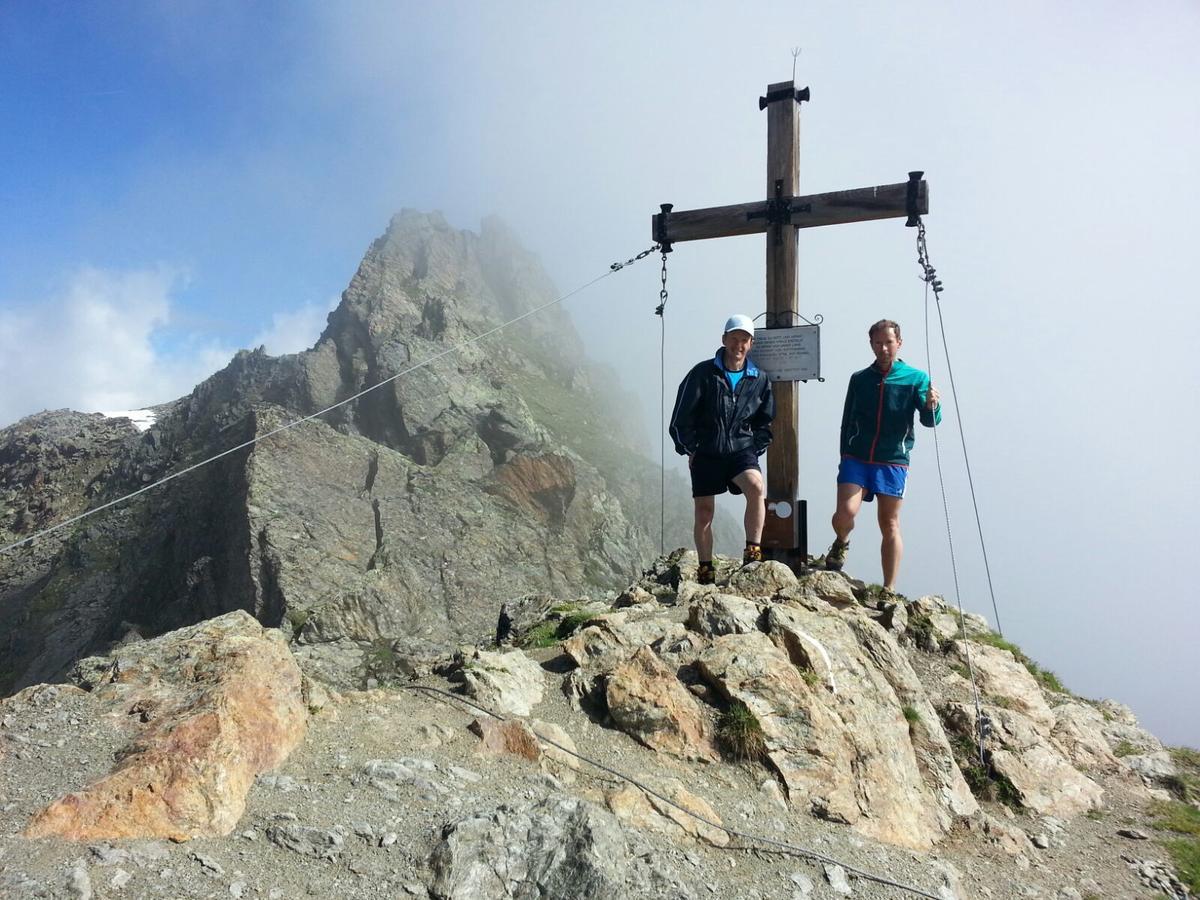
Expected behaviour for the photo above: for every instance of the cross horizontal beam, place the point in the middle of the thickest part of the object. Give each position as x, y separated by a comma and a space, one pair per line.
885, 201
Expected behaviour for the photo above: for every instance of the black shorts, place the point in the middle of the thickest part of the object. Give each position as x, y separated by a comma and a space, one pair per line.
714, 474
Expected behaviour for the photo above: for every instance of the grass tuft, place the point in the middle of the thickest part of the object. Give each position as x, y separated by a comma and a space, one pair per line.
1186, 758
1182, 819
920, 628
544, 634
298, 618
1124, 748
562, 621
1045, 677
1173, 815
983, 780
1186, 784
739, 733
911, 715
1051, 682
1186, 856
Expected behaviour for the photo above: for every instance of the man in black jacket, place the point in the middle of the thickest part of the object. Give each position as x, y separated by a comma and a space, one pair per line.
722, 423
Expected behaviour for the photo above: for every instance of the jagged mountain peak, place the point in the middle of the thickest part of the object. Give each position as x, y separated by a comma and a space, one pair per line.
401, 518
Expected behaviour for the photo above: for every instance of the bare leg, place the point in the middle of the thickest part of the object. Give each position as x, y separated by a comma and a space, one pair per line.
751, 483
702, 530
849, 499
892, 548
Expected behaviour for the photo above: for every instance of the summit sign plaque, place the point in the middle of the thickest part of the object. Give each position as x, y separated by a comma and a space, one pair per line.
788, 354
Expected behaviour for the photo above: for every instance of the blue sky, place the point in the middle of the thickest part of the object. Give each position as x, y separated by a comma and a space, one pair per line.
179, 180
168, 135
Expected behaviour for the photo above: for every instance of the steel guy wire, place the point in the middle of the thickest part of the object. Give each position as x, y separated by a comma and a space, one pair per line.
931, 280
981, 720
615, 267
746, 836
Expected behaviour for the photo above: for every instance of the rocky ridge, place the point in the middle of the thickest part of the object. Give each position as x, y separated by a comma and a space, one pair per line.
865, 756
375, 533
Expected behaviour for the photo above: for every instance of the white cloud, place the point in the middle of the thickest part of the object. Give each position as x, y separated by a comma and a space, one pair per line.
291, 332
91, 347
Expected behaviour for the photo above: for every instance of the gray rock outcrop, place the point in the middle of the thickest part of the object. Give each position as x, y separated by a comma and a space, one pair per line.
560, 847
373, 534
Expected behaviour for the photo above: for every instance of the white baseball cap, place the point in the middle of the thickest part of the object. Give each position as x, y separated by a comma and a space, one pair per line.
740, 323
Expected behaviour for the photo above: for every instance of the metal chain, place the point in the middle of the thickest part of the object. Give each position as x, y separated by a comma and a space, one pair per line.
618, 266
930, 276
662, 295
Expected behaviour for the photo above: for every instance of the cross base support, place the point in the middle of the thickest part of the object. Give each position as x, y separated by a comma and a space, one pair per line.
785, 532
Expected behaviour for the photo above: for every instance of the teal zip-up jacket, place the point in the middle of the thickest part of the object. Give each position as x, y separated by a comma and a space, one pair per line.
877, 423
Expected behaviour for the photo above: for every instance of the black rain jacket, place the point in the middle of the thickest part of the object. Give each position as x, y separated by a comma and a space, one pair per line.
712, 419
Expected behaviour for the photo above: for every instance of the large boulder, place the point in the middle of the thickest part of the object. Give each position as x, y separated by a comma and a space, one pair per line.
999, 675
833, 588
945, 622
714, 614
647, 701
1079, 732
610, 639
1021, 751
764, 579
223, 701
830, 692
509, 683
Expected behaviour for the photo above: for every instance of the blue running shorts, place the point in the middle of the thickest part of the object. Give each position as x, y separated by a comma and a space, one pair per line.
875, 478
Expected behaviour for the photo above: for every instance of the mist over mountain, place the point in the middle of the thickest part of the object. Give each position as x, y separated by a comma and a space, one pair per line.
503, 470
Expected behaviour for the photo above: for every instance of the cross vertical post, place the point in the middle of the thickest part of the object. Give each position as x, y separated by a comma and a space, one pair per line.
783, 181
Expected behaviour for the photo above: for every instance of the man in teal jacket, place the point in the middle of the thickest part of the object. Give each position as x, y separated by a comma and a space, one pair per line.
877, 435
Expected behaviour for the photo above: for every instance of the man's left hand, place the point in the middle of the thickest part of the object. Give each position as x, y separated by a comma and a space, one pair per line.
933, 399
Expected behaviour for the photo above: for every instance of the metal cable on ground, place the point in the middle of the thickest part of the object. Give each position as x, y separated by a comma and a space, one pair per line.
930, 278
614, 267
981, 723
746, 836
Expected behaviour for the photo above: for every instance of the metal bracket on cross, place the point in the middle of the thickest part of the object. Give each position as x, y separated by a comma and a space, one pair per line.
779, 211
785, 93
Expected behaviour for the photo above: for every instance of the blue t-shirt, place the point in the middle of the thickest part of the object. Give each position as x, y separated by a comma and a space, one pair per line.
734, 378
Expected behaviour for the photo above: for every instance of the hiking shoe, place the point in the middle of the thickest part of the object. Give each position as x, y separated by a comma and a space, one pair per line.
706, 574
752, 553
836, 557
887, 595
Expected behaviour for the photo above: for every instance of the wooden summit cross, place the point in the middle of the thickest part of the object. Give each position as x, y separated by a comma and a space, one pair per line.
780, 215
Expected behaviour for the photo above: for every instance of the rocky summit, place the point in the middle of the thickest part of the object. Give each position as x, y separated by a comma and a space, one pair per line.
389, 528
768, 736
